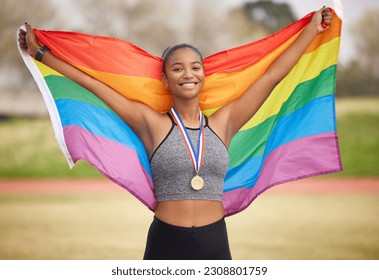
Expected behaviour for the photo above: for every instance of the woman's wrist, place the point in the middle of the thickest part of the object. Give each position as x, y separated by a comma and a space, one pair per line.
41, 52
33, 49
312, 30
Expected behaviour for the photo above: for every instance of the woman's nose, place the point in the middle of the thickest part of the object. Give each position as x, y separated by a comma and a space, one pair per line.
187, 73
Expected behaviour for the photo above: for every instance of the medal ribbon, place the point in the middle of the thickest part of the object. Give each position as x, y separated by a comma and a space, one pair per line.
196, 158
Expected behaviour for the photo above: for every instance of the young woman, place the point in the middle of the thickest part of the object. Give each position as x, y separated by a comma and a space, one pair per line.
189, 216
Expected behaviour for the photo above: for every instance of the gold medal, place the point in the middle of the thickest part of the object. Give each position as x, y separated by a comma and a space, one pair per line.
197, 183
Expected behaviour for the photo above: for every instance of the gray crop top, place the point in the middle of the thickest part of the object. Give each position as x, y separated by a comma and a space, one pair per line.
172, 169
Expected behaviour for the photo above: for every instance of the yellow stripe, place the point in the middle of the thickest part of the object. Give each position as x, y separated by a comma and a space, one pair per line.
309, 67
45, 70
222, 88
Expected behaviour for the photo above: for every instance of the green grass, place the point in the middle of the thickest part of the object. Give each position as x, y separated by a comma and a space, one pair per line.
28, 148
359, 143
114, 226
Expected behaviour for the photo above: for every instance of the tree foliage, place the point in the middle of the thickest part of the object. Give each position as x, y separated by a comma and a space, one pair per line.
13, 14
355, 80
367, 41
155, 25
257, 19
360, 77
144, 23
272, 16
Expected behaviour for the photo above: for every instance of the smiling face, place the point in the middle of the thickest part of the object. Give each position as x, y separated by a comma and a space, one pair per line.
184, 74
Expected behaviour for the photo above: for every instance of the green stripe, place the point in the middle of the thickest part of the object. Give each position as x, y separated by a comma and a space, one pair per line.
63, 88
254, 140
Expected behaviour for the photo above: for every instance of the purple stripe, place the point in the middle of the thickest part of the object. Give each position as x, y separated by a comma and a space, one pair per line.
116, 161
309, 156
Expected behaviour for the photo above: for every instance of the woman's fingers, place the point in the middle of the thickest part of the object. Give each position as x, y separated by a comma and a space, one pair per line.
327, 16
22, 39
28, 40
322, 19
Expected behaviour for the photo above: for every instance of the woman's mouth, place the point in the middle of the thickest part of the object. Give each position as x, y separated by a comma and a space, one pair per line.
188, 85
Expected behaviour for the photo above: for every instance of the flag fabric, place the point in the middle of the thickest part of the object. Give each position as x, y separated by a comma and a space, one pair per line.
292, 136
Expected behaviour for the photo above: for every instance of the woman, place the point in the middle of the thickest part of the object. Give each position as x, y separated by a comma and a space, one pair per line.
188, 152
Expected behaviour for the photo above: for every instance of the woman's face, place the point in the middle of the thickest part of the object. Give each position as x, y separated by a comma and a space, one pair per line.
184, 75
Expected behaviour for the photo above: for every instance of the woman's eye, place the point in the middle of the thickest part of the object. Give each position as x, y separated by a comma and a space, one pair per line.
177, 69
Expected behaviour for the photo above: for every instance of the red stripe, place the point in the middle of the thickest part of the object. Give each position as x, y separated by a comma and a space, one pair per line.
112, 55
79, 49
240, 57
121, 57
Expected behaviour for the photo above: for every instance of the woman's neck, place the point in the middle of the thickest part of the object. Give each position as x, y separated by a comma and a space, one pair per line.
189, 114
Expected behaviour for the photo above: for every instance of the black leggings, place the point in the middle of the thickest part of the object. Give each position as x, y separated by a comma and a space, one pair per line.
168, 242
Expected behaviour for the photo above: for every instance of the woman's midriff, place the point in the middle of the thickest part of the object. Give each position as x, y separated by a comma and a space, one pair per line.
189, 213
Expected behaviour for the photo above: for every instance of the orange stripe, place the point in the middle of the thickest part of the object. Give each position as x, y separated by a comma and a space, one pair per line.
148, 91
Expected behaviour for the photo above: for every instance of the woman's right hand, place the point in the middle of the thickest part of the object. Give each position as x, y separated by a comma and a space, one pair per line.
28, 40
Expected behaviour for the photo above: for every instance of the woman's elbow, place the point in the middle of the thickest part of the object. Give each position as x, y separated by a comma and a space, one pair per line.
273, 79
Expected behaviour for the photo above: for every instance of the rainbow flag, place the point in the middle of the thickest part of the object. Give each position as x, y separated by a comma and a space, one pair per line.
292, 136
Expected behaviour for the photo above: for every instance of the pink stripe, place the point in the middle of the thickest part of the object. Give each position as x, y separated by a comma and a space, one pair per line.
305, 157
116, 161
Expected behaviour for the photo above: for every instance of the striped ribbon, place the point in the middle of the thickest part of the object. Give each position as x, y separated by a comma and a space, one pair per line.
196, 158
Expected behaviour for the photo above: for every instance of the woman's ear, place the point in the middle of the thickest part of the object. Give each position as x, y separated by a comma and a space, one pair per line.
165, 80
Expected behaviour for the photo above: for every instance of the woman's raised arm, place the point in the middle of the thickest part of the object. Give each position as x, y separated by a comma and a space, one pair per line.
229, 119
138, 116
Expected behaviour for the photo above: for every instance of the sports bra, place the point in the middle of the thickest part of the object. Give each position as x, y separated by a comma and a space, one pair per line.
172, 169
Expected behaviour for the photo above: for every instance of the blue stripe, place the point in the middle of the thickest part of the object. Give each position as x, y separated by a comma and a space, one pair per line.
316, 117
103, 123
244, 175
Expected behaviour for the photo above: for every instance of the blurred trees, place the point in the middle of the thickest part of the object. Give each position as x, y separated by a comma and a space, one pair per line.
360, 77
209, 25
367, 40
155, 25
269, 15
144, 23
12, 15
258, 19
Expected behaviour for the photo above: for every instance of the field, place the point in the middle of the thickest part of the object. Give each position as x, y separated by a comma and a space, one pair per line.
50, 212
94, 219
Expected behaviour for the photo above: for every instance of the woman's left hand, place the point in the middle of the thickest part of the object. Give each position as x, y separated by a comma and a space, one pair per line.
321, 20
